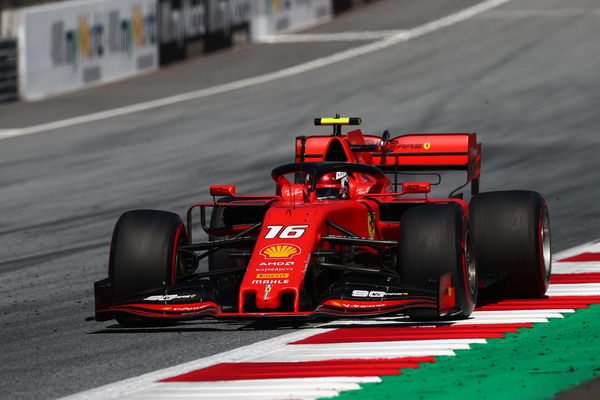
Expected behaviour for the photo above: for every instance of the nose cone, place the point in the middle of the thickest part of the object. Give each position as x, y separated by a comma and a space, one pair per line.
269, 291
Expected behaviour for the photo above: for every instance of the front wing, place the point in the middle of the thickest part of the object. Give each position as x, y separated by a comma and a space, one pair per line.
347, 301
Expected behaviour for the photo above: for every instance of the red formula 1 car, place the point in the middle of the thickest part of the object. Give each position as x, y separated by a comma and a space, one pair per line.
345, 234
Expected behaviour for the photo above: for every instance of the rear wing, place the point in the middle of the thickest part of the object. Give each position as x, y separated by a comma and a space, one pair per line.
432, 151
414, 152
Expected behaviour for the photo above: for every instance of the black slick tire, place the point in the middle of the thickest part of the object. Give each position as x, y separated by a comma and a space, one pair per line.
511, 231
143, 255
436, 240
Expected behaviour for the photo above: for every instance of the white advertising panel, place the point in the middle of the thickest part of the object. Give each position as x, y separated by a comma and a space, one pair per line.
276, 16
70, 45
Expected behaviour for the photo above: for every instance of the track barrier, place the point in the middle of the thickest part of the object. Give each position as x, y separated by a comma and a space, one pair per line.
69, 45
8, 69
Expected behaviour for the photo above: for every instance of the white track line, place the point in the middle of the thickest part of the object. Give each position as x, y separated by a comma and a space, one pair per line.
330, 383
324, 355
330, 37
541, 13
400, 344
271, 387
369, 346
574, 289
472, 321
575, 267
267, 394
264, 394
477, 318
402, 36
590, 247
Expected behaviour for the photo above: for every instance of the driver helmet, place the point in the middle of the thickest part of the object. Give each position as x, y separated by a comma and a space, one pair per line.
333, 186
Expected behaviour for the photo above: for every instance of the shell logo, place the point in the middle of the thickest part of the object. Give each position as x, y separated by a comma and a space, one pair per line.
280, 251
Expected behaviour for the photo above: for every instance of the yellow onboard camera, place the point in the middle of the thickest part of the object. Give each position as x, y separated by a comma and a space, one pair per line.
337, 123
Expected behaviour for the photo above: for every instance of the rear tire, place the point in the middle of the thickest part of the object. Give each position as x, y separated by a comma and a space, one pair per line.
436, 240
511, 231
143, 255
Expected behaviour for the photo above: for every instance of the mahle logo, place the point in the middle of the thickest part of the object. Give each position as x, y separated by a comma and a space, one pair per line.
280, 251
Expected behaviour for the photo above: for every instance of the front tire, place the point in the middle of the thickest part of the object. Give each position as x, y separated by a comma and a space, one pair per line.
143, 254
436, 240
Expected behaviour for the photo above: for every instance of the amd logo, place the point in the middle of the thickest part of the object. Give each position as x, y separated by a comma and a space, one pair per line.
276, 263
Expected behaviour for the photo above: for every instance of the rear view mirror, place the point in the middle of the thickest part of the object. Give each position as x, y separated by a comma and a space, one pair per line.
222, 190
416, 187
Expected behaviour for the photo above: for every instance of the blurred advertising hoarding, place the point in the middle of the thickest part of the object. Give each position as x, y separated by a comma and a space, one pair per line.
191, 27
277, 16
74, 44
70, 45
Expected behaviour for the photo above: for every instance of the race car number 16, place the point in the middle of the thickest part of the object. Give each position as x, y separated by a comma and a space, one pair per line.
285, 232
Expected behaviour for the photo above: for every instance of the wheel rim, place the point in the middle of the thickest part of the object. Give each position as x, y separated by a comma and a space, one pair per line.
471, 268
545, 241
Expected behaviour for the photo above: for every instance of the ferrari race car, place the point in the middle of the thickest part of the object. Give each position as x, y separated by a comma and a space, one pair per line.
346, 234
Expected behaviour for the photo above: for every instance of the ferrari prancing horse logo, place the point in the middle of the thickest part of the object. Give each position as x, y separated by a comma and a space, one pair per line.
267, 291
371, 225
427, 146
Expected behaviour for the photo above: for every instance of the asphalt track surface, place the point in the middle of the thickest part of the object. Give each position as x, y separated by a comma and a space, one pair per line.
524, 76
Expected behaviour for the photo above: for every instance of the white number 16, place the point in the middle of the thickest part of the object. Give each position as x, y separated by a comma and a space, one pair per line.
289, 232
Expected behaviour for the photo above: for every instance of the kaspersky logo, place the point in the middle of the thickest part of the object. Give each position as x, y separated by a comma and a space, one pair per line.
280, 251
